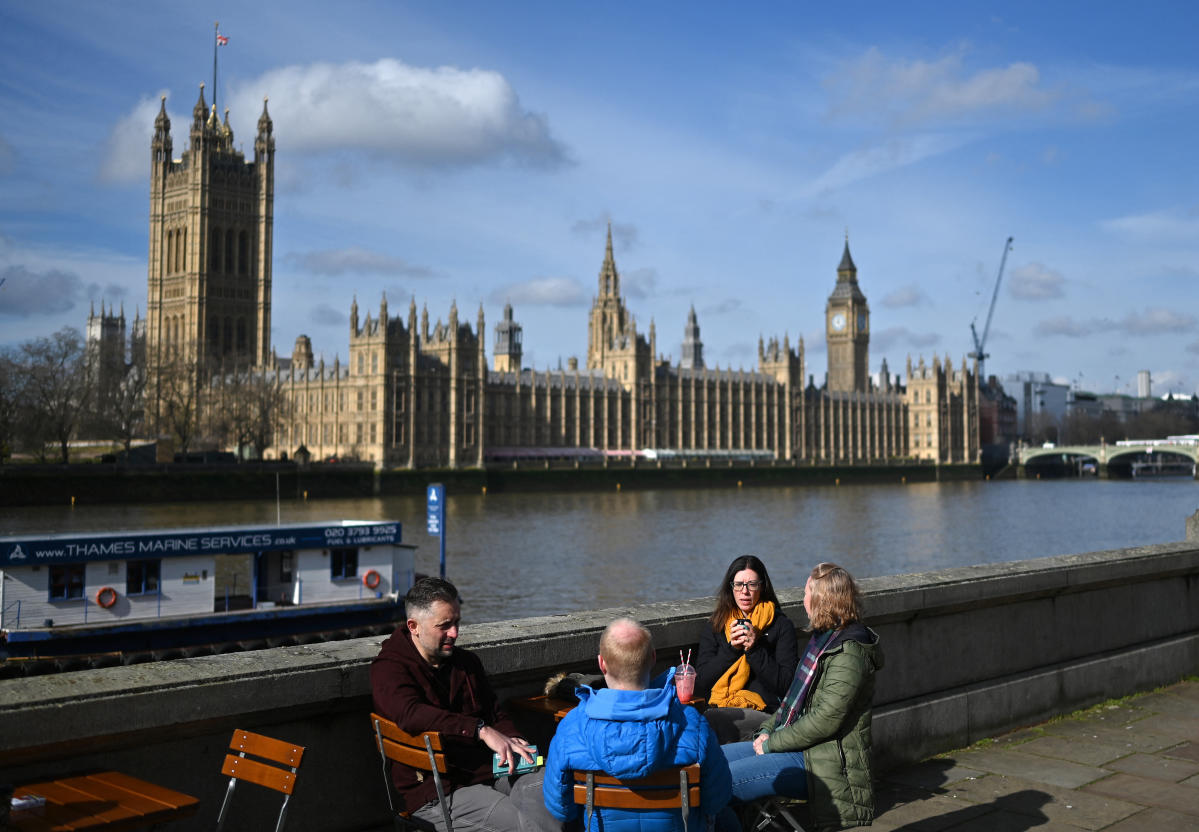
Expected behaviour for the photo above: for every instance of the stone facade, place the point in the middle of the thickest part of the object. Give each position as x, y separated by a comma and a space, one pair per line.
412, 395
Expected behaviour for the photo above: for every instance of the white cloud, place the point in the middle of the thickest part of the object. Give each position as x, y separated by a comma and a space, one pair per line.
1069, 327
917, 91
26, 292
1035, 282
441, 116
894, 153
909, 295
542, 291
901, 336
354, 260
639, 283
323, 314
1156, 225
1157, 321
126, 156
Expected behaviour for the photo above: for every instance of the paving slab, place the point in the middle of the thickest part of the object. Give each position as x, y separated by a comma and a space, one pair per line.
1156, 766
1180, 728
940, 773
934, 814
1185, 751
1168, 702
1074, 808
1156, 820
1135, 739
1147, 792
1088, 751
1031, 767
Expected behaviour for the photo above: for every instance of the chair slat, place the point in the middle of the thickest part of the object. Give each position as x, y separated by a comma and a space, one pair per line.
412, 757
397, 734
664, 778
267, 748
252, 771
613, 797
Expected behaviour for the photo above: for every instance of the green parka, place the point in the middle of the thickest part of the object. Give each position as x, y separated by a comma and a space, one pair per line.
833, 732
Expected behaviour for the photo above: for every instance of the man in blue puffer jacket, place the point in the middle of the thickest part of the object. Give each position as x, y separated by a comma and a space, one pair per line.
630, 729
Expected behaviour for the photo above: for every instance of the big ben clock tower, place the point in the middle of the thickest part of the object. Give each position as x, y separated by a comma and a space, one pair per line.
847, 330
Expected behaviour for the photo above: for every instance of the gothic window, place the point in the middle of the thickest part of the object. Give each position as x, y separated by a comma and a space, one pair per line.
241, 334
227, 342
229, 268
243, 253
374, 362
361, 364
214, 250
374, 400
182, 264
326, 433
341, 433
214, 335
374, 432
360, 401
358, 433
928, 396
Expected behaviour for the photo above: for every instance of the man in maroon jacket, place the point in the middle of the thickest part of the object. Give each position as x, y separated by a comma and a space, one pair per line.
422, 682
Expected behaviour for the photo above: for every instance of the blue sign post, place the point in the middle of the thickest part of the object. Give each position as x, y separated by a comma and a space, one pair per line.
435, 516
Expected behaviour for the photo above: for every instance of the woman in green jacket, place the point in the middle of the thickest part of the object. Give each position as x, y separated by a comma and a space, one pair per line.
817, 744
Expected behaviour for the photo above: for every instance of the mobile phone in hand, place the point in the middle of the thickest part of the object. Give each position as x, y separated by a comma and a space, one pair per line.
521, 767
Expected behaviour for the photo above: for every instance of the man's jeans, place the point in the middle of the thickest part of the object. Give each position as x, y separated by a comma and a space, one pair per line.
509, 805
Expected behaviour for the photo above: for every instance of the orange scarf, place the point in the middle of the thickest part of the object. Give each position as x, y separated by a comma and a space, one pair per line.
729, 690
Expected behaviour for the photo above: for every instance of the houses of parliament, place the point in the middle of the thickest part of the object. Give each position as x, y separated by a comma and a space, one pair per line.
421, 394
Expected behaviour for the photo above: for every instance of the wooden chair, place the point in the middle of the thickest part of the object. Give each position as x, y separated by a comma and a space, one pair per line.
671, 788
424, 753
281, 776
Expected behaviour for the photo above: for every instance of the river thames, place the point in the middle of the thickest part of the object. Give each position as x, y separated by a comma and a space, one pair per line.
521, 554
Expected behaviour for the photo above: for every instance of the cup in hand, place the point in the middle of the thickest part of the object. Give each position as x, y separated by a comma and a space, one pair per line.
684, 682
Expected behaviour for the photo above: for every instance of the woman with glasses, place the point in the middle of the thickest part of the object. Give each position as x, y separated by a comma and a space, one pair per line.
747, 652
817, 744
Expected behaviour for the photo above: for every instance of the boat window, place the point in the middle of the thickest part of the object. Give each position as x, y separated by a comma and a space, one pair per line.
344, 563
66, 582
141, 577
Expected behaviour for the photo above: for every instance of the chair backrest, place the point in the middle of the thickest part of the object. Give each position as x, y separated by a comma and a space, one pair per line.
275, 767
420, 751
671, 788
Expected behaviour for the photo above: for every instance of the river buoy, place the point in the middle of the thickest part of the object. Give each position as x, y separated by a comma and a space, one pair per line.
305, 496
484, 489
72, 502
617, 486
738, 483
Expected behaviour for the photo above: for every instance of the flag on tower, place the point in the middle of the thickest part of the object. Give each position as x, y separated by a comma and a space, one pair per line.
222, 40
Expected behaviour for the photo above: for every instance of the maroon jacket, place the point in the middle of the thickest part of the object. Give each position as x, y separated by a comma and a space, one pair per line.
450, 699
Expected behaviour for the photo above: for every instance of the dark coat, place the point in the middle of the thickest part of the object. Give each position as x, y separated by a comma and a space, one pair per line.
450, 699
772, 660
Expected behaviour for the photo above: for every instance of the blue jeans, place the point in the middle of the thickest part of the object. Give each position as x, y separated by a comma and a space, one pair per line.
761, 775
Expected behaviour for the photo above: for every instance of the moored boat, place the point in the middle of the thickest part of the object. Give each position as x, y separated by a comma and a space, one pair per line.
136, 591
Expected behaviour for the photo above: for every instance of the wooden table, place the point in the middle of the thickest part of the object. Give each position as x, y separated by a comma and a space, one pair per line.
108, 800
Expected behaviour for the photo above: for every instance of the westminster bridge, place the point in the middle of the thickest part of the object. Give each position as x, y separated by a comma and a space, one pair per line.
1148, 456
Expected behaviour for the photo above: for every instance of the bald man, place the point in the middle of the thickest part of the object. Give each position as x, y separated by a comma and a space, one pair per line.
629, 729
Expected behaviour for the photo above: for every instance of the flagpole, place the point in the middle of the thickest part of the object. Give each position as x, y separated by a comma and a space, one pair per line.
216, 30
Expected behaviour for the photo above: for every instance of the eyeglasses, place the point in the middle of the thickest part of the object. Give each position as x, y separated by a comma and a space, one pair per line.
752, 586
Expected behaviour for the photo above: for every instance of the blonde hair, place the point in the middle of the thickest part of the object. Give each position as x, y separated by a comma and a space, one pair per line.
834, 597
628, 651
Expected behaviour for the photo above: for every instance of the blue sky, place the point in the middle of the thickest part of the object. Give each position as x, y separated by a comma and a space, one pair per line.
474, 151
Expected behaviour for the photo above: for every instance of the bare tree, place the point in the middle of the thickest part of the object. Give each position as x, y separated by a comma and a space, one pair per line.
179, 404
247, 409
127, 411
56, 387
10, 398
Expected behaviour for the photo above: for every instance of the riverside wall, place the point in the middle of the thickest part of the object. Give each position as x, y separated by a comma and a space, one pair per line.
970, 652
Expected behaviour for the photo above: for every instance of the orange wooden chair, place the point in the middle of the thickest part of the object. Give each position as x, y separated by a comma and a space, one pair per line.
424, 753
671, 788
281, 776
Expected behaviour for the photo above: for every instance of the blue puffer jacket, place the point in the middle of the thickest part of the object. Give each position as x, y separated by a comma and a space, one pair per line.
629, 733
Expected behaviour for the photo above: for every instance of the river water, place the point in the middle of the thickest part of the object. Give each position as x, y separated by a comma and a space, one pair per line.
515, 555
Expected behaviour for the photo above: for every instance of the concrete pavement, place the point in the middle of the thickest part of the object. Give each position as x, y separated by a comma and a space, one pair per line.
1128, 766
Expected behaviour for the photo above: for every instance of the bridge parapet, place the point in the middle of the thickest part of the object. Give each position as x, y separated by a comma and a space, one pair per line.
1105, 453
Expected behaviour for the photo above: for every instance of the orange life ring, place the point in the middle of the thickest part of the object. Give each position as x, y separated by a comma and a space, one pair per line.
106, 597
371, 579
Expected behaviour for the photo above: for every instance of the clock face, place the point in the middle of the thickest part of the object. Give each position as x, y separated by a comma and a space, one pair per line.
838, 322
861, 321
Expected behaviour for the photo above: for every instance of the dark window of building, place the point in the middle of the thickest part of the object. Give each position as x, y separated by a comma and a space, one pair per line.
66, 582
228, 336
141, 577
214, 253
229, 252
344, 563
241, 334
243, 253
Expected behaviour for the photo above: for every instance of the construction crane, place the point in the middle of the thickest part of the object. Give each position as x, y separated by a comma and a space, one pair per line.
980, 343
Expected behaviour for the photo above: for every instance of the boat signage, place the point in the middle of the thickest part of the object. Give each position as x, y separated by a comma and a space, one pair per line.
233, 540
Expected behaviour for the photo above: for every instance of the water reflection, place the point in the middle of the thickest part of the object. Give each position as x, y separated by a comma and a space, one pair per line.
525, 554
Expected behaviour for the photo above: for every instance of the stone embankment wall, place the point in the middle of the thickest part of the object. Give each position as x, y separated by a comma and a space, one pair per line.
970, 652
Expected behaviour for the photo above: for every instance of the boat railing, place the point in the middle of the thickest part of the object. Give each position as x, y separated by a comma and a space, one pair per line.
4, 615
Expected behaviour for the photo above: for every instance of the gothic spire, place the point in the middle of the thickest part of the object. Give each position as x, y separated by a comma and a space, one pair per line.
265, 125
200, 111
609, 278
847, 268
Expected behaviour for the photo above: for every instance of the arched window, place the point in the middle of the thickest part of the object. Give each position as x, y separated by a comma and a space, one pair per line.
243, 253
214, 254
228, 337
182, 264
241, 335
229, 252
214, 335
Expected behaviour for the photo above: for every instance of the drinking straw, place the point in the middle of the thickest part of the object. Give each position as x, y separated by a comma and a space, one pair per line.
681, 657
688, 656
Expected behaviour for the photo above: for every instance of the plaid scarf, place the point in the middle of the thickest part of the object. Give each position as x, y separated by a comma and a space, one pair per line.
804, 674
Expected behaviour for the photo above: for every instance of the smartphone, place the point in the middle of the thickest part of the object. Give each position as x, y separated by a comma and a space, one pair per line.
743, 622
521, 766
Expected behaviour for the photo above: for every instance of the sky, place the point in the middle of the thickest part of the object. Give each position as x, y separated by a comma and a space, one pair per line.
475, 153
